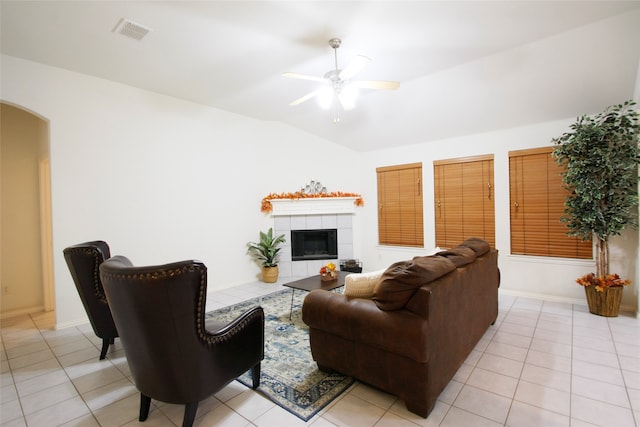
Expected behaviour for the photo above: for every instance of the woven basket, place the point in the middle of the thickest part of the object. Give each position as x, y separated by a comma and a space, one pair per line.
605, 303
327, 278
270, 274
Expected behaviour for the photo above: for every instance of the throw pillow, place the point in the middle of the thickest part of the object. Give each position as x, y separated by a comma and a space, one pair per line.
401, 280
361, 285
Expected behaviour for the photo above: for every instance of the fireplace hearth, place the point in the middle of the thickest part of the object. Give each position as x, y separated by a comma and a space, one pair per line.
307, 245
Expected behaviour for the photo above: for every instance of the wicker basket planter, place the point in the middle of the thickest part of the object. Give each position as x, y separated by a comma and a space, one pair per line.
605, 303
270, 274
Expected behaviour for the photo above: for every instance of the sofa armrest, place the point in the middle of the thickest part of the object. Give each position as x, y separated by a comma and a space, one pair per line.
360, 320
460, 307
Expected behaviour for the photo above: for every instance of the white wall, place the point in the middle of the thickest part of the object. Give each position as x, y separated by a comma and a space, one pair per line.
161, 179
535, 276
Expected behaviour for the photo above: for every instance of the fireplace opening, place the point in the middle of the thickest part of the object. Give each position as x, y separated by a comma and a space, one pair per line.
314, 244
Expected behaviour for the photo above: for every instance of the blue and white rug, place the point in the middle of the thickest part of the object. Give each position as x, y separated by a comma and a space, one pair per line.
289, 377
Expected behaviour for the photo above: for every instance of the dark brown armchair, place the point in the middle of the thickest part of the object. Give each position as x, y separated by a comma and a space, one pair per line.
84, 261
174, 356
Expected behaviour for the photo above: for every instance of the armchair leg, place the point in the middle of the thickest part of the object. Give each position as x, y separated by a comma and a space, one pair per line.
145, 403
255, 375
105, 347
189, 414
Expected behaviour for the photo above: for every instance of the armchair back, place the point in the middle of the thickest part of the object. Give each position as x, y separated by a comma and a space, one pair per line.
84, 261
173, 355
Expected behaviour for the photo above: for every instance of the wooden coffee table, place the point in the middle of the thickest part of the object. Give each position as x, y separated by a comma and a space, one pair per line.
312, 283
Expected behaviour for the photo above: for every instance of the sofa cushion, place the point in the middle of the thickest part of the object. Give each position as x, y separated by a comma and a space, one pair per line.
361, 285
460, 255
479, 246
401, 280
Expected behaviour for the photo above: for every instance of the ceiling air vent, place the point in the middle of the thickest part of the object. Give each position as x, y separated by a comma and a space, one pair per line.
131, 29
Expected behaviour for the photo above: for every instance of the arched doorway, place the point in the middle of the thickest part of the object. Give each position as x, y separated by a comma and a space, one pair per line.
26, 242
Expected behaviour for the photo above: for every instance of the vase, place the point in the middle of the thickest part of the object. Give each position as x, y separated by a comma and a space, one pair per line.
605, 303
270, 274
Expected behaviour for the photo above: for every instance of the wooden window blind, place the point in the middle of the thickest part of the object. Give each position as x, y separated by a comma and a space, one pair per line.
463, 196
537, 198
400, 209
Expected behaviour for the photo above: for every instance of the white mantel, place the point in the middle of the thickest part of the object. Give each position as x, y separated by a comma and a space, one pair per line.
313, 206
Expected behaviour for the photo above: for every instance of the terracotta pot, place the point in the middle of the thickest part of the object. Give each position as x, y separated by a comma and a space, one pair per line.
270, 274
605, 303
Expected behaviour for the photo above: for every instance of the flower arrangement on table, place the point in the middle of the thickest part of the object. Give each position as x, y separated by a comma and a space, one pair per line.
602, 283
328, 272
266, 206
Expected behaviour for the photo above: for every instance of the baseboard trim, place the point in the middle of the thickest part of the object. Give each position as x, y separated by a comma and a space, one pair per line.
71, 323
21, 312
578, 301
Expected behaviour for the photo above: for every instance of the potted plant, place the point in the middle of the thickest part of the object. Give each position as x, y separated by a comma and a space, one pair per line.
266, 251
601, 158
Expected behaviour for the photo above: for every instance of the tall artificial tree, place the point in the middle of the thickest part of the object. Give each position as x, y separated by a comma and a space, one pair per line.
601, 156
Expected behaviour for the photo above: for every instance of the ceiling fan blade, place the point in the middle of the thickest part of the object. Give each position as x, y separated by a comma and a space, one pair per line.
306, 77
306, 97
355, 66
377, 84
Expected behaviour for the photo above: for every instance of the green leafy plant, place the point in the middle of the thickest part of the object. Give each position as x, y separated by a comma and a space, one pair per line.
601, 158
266, 251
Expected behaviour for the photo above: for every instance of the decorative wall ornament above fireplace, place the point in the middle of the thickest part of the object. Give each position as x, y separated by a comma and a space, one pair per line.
313, 187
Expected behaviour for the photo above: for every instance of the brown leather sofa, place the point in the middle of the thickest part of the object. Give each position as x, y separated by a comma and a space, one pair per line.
422, 321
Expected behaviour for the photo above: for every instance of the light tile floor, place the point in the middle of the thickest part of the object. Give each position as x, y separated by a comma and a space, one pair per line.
542, 364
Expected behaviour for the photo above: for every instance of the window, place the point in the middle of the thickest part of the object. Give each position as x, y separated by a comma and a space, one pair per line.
463, 198
400, 212
537, 200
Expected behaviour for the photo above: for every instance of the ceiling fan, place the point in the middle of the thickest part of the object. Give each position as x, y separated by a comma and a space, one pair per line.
337, 87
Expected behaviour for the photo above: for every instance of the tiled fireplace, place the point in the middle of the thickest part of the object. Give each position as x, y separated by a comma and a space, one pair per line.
315, 214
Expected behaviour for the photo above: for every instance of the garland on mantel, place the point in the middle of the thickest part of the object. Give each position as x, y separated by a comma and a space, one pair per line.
267, 207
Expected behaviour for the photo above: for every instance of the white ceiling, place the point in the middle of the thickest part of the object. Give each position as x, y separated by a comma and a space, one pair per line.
464, 67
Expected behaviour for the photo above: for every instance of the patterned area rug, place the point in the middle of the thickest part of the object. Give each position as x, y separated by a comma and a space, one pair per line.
290, 377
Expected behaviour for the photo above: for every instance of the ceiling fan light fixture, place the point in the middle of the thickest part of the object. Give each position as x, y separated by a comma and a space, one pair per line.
347, 96
325, 97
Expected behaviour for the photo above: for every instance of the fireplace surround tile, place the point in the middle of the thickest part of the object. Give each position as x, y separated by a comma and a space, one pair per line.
329, 221
284, 224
